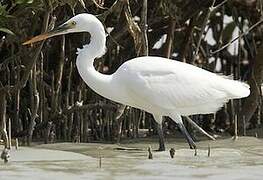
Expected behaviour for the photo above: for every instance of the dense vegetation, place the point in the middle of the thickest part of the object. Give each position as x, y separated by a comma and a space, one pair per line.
44, 98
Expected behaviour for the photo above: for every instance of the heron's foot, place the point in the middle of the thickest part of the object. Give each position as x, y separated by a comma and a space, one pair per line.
192, 145
161, 148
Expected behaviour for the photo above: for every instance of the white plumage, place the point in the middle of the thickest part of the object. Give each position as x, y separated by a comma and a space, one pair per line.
157, 85
162, 86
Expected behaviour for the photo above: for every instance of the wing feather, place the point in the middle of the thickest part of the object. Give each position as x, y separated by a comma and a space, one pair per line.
174, 88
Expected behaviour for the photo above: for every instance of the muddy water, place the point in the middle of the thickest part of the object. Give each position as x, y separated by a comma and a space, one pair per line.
241, 159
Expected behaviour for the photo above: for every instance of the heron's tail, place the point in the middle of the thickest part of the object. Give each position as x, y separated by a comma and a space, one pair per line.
237, 89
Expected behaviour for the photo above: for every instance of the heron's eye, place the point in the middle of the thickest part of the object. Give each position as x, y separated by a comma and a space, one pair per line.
73, 23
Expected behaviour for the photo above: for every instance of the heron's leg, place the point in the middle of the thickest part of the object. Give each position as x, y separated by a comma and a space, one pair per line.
178, 119
161, 137
187, 136
159, 119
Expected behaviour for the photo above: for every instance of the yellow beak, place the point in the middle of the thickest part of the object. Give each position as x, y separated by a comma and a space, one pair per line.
56, 31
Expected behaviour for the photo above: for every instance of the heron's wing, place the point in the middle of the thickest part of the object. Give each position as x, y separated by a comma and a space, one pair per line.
175, 89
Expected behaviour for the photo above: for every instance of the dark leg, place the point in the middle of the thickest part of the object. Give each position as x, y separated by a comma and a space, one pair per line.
178, 119
159, 119
187, 135
161, 137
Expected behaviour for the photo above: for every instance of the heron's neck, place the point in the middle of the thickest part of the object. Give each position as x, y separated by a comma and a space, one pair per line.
98, 82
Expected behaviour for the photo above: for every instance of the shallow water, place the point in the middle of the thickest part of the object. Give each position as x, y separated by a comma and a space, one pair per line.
241, 159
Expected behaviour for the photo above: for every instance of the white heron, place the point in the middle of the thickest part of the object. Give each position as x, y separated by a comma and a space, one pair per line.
160, 86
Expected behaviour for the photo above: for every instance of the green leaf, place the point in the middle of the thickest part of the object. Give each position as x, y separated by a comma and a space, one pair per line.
3, 11
7, 31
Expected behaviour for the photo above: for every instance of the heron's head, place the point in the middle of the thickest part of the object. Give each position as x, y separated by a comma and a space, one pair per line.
79, 23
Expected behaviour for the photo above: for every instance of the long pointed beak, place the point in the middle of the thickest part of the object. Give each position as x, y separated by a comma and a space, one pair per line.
55, 32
